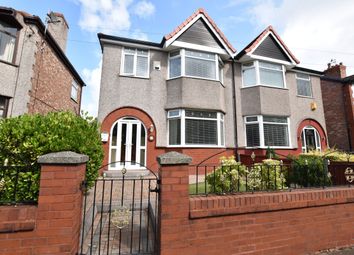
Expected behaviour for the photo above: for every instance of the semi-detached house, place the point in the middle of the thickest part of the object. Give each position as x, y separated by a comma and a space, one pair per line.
193, 93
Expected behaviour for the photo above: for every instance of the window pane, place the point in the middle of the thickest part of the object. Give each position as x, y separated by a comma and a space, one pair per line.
174, 113
174, 53
275, 119
252, 135
249, 77
250, 119
8, 28
142, 136
114, 135
129, 50
74, 91
270, 66
199, 54
222, 133
200, 68
303, 87
142, 66
142, 157
129, 64
3, 105
201, 114
142, 52
201, 132
271, 77
113, 157
174, 131
303, 76
276, 135
7, 46
175, 67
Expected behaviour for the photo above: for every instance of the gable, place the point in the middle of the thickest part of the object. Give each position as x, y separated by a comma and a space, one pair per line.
200, 34
271, 49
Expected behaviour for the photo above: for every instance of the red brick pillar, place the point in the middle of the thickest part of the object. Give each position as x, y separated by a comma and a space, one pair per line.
174, 204
59, 202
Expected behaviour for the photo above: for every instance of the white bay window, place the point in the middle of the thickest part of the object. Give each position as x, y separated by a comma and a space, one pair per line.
267, 131
303, 83
263, 73
196, 64
195, 128
135, 62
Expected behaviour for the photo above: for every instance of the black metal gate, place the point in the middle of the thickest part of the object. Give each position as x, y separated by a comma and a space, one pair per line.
120, 213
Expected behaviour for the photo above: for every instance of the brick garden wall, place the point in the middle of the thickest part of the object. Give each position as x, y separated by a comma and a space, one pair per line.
52, 226
296, 222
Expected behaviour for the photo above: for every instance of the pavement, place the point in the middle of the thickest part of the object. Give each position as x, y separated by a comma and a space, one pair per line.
343, 251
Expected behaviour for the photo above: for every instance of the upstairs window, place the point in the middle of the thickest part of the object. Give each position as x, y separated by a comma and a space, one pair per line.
74, 91
267, 131
196, 64
135, 62
4, 102
263, 73
303, 83
195, 128
7, 42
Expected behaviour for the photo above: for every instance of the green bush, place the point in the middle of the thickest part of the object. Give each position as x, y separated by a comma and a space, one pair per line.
308, 171
227, 177
232, 176
23, 139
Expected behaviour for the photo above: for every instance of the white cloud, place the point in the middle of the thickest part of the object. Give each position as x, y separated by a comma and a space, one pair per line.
105, 15
92, 90
324, 26
144, 9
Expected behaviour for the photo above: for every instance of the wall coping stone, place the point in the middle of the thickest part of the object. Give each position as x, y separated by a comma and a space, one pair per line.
63, 158
174, 158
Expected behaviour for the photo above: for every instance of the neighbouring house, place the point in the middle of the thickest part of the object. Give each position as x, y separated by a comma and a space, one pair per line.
192, 93
35, 74
338, 101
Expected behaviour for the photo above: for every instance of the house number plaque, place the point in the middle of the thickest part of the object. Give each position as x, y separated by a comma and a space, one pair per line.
349, 174
120, 217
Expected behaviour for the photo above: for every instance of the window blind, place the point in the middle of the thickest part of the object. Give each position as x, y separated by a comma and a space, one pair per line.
252, 135
201, 131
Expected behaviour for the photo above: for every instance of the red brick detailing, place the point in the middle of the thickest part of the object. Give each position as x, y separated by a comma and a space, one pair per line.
52, 227
335, 114
198, 154
297, 222
190, 18
259, 38
51, 84
320, 130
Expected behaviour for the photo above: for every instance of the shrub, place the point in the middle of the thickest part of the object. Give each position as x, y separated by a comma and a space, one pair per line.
268, 175
332, 154
232, 176
308, 171
23, 139
227, 177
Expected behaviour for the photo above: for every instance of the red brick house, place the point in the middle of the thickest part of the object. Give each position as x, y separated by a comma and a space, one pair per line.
338, 102
35, 74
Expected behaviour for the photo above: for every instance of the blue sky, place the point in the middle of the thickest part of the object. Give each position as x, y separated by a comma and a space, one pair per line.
315, 37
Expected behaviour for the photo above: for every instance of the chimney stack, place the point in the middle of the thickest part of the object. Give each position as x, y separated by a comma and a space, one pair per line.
336, 71
58, 28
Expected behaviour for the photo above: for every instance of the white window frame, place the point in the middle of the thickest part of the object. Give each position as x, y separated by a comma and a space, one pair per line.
317, 139
13, 36
258, 78
182, 55
260, 123
74, 87
220, 119
309, 80
133, 74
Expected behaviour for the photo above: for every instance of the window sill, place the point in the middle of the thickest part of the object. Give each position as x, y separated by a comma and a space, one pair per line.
8, 63
133, 76
266, 86
271, 147
308, 97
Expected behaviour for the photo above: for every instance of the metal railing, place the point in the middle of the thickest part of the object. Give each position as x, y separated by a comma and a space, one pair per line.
258, 177
19, 184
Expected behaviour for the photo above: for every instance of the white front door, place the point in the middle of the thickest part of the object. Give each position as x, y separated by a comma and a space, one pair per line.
128, 144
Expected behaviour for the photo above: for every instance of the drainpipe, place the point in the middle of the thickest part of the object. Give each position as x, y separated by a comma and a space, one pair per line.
234, 109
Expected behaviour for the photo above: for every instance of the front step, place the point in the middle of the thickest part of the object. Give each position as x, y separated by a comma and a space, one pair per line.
132, 174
